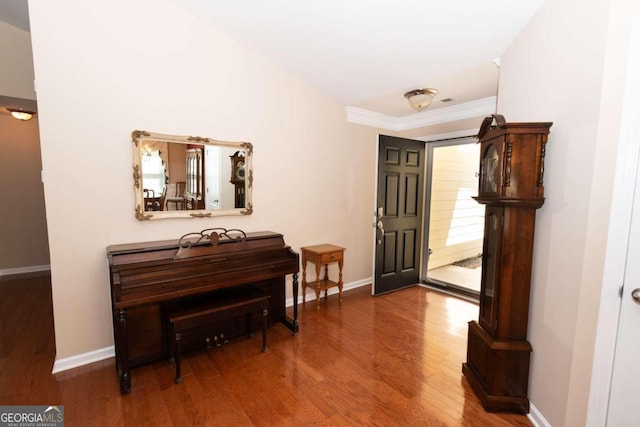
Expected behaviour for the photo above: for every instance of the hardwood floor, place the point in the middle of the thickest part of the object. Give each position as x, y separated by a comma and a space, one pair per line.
393, 360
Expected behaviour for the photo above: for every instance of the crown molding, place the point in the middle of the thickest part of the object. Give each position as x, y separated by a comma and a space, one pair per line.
370, 118
471, 133
427, 118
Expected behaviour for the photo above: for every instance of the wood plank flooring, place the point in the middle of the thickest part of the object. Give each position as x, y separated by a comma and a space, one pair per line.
393, 360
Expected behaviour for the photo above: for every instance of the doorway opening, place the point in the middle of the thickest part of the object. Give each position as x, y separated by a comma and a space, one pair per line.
454, 222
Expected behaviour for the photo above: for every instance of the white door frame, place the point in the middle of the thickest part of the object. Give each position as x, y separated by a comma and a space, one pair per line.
426, 216
628, 158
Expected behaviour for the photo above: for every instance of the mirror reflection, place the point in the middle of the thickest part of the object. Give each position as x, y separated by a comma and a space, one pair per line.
178, 177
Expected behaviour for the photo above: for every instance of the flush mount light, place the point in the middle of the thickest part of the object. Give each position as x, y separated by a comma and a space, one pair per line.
21, 114
419, 99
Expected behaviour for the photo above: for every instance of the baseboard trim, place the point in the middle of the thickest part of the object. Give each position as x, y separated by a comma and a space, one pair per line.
536, 417
24, 270
83, 359
311, 296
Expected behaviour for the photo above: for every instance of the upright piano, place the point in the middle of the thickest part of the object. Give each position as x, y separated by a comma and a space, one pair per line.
144, 276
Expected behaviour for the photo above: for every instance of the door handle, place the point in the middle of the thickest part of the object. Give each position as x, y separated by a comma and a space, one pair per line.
635, 294
380, 226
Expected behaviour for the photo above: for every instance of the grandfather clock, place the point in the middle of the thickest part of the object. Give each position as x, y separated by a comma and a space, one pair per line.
511, 188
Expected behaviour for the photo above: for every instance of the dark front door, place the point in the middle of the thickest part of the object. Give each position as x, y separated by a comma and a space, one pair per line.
398, 213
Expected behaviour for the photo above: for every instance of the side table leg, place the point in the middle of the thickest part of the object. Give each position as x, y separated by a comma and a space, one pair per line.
340, 264
326, 280
304, 278
318, 267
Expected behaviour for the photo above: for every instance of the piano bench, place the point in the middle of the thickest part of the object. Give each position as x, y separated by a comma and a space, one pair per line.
184, 316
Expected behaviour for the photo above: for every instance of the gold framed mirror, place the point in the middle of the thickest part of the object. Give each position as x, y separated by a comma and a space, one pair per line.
190, 176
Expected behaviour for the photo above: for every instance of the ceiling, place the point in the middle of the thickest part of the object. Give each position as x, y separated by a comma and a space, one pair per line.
368, 53
15, 12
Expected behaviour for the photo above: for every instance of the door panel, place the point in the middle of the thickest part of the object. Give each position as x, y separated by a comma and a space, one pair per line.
409, 250
400, 192
625, 388
392, 191
411, 191
389, 253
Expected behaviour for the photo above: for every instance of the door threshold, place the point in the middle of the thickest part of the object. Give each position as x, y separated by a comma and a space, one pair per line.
452, 290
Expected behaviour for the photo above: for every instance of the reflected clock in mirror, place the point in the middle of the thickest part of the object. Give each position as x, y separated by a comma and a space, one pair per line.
190, 176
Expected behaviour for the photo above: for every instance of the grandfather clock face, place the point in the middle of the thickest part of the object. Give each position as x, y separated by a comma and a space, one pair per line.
239, 170
490, 170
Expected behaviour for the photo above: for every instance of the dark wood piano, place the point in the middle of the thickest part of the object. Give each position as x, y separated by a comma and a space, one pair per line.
144, 276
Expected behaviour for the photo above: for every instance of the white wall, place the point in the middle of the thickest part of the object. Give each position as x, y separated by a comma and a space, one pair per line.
23, 226
567, 67
118, 66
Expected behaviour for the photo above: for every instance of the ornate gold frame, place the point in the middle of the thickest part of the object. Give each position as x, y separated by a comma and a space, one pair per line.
139, 136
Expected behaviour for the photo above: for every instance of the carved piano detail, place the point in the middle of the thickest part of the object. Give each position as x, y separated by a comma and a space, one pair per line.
146, 275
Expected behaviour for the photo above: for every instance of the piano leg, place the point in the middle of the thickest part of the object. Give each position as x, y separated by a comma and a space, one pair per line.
178, 349
265, 315
292, 324
295, 302
123, 350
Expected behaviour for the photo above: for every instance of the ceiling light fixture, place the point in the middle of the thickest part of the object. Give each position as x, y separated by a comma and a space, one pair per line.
21, 114
419, 99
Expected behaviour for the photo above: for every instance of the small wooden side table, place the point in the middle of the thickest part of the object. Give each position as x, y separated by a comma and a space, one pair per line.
319, 255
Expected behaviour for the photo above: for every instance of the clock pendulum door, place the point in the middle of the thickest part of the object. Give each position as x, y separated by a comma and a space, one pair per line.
238, 178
